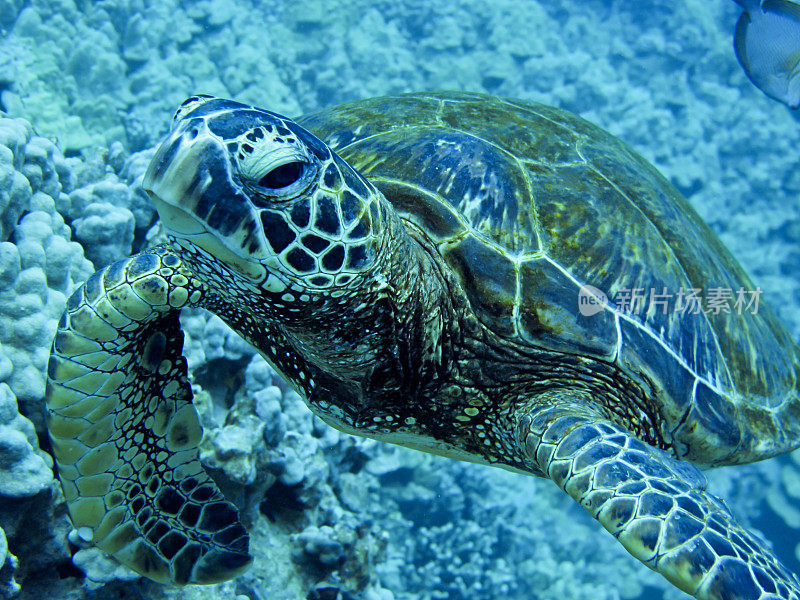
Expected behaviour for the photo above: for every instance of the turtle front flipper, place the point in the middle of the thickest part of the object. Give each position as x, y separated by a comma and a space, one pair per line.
124, 431
656, 506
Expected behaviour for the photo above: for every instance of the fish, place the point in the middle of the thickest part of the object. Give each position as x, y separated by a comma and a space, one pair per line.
767, 45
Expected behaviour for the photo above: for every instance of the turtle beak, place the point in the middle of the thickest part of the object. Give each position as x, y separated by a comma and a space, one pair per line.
173, 183
191, 184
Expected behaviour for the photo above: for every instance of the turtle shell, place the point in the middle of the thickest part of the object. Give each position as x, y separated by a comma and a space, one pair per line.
528, 203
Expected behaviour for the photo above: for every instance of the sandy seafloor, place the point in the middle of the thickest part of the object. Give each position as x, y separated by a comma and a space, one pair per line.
96, 83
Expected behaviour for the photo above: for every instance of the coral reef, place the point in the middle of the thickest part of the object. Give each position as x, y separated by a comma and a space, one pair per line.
99, 81
39, 263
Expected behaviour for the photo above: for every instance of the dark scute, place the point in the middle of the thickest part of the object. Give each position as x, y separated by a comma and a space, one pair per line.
690, 506
146, 473
232, 124
764, 580
717, 523
594, 455
185, 561
644, 462
229, 535
204, 202
134, 491
233, 561
621, 511
170, 501
332, 178
283, 175
548, 299
229, 210
712, 423
217, 515
741, 542
356, 256
350, 205
170, 260
171, 544
639, 348
632, 488
203, 493
718, 412
52, 365
574, 441
92, 287
300, 261
300, 214
137, 504
114, 274
429, 211
315, 243
462, 169
734, 581
194, 98
141, 264
655, 504
649, 532
359, 232
222, 204
312, 142
278, 233
665, 487
255, 135
190, 514
143, 516
153, 351
320, 280
148, 562
242, 543
614, 473
679, 529
489, 280
333, 260
352, 178
327, 219
165, 157
356, 183
374, 214
188, 484
156, 531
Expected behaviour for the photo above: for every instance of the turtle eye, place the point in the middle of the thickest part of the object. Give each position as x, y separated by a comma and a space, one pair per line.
283, 176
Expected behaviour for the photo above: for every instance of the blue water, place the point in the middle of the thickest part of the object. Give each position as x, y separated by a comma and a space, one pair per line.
101, 80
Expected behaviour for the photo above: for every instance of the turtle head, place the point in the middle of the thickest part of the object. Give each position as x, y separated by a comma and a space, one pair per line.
257, 192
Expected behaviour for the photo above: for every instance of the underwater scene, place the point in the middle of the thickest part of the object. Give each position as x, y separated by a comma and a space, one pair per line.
101, 493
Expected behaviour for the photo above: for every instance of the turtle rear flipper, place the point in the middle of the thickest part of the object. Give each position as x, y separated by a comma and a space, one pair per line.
656, 506
124, 431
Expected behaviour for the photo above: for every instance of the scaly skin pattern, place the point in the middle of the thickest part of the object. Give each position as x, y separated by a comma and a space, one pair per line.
400, 317
657, 507
124, 431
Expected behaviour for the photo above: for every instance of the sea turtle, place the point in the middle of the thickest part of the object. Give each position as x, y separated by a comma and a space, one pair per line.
445, 271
